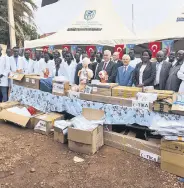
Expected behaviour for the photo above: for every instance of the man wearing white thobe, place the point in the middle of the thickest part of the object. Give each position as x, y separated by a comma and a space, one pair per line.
68, 68
4, 72
46, 64
16, 62
28, 63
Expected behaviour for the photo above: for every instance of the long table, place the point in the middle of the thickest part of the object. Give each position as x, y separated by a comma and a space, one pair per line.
114, 114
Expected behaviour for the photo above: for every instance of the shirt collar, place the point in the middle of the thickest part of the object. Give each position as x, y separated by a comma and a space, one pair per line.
159, 63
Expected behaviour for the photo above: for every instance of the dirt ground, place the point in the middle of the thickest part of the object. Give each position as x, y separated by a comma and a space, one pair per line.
31, 160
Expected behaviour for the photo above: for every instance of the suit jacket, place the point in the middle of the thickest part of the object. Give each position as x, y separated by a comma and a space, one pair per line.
173, 82
110, 69
124, 78
148, 74
164, 74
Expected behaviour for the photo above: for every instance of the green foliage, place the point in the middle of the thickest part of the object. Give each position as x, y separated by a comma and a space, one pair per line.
25, 27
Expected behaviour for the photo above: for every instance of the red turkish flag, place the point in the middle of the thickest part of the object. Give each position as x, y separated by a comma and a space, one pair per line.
45, 48
154, 47
119, 48
68, 48
89, 49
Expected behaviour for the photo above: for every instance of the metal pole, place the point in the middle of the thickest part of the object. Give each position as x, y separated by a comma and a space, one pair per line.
11, 24
133, 18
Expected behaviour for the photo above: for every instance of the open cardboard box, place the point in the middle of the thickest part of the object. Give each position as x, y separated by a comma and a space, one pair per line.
30, 81
8, 104
18, 119
87, 141
44, 123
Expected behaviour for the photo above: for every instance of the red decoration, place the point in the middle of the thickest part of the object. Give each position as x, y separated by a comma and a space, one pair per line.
45, 48
154, 47
32, 110
68, 48
89, 49
119, 48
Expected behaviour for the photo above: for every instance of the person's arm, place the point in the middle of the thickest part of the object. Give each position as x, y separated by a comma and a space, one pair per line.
97, 72
117, 77
152, 76
7, 67
134, 75
112, 77
130, 83
180, 73
76, 77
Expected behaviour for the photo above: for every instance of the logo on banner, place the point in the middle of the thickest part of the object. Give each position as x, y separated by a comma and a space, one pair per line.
89, 14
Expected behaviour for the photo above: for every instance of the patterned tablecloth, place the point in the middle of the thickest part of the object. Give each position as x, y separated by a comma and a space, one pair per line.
114, 114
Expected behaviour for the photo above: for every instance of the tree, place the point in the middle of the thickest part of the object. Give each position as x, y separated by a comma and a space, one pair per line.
25, 27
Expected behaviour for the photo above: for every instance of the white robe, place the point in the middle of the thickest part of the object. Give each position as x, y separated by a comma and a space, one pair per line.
16, 66
4, 70
43, 66
28, 66
180, 75
68, 71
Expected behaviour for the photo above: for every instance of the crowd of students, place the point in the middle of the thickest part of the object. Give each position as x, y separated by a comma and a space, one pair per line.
166, 73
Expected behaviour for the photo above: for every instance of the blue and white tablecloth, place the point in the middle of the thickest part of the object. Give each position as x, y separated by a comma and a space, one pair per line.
114, 114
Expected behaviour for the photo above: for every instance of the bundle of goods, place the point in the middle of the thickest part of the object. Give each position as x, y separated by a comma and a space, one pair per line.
170, 129
125, 92
162, 94
163, 105
101, 88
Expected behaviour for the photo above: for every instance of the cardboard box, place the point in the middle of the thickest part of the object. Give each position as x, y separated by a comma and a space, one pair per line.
30, 81
61, 133
8, 104
162, 107
172, 163
106, 99
60, 88
142, 148
87, 141
125, 92
102, 88
173, 146
16, 76
60, 137
178, 104
45, 123
162, 94
20, 120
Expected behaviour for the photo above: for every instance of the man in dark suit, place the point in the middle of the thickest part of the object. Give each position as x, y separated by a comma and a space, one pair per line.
162, 71
116, 60
173, 82
107, 66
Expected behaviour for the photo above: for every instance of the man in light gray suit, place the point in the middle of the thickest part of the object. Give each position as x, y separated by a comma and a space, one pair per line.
162, 71
173, 82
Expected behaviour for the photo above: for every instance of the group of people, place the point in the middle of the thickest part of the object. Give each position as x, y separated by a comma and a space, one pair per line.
167, 73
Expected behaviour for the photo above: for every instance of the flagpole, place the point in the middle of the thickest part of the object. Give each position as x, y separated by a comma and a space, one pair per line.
11, 24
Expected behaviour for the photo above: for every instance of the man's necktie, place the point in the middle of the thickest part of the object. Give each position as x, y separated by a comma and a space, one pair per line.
105, 66
57, 72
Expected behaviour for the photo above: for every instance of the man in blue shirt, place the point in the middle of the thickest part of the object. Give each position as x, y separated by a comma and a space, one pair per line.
125, 72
